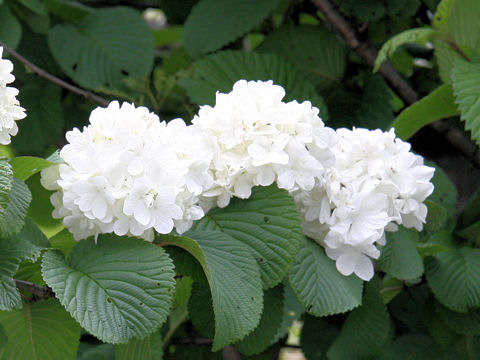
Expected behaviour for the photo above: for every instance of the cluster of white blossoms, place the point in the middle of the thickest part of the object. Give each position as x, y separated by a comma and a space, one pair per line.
129, 173
375, 184
10, 110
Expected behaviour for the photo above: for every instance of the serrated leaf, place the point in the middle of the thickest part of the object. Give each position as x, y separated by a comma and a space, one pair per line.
18, 202
445, 192
41, 330
25, 166
10, 27
316, 337
234, 279
220, 71
117, 289
43, 125
304, 46
319, 287
466, 86
463, 323
98, 52
215, 23
446, 58
267, 223
149, 348
419, 35
436, 217
292, 310
264, 334
400, 257
454, 277
439, 104
26, 245
365, 330
437, 243
6, 184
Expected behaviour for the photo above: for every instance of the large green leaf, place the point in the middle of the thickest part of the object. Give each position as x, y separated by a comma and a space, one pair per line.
408, 36
264, 334
304, 46
104, 47
26, 166
220, 71
41, 330
400, 257
26, 245
454, 277
10, 28
70, 11
439, 104
365, 331
468, 323
234, 279
18, 202
43, 125
267, 223
215, 23
446, 58
319, 287
117, 289
149, 348
466, 86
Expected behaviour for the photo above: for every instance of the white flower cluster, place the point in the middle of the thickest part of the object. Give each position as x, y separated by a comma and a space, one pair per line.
129, 173
126, 173
10, 109
375, 184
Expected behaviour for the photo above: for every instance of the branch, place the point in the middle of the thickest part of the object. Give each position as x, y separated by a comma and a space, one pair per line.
42, 73
366, 52
41, 292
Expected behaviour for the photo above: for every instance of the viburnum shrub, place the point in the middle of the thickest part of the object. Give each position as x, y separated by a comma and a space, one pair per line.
287, 207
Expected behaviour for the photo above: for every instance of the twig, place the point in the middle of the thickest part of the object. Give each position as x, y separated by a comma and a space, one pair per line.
42, 73
366, 52
41, 292
453, 135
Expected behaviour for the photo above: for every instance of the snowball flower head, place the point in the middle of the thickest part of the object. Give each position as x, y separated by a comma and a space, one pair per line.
375, 184
10, 110
257, 139
122, 175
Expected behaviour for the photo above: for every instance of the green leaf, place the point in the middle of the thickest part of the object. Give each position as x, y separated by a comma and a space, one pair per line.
68, 10
316, 337
183, 289
264, 334
292, 310
454, 277
19, 200
463, 323
408, 308
33, 13
215, 23
439, 104
375, 109
445, 192
25, 166
98, 52
149, 348
437, 243
26, 245
471, 212
200, 309
3, 338
319, 287
466, 86
63, 241
412, 346
6, 184
304, 46
446, 58
471, 233
43, 125
418, 35
436, 216
41, 330
400, 257
87, 351
267, 223
234, 280
220, 71
117, 289
10, 28
365, 330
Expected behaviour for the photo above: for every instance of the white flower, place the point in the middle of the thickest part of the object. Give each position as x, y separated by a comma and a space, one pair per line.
10, 110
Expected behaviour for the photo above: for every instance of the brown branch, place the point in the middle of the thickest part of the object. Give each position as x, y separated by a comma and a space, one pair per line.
41, 292
366, 52
42, 73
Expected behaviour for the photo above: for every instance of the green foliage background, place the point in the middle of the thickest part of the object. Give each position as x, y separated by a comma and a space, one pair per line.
243, 274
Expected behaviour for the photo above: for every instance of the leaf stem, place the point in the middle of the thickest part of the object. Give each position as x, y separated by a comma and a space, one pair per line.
42, 73
41, 292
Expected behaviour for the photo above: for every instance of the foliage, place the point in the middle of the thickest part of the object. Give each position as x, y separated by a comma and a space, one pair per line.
244, 273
